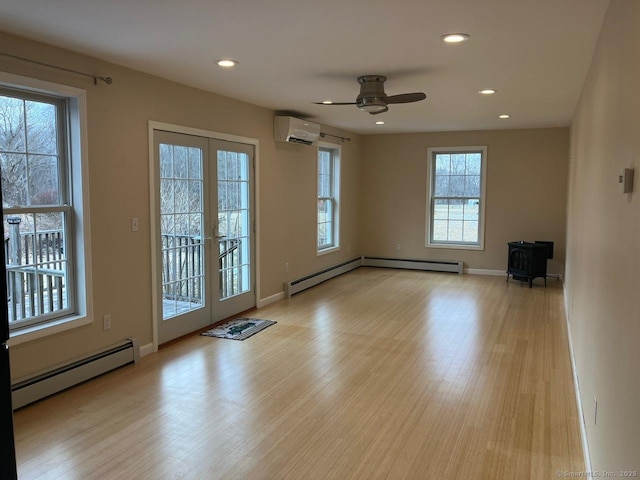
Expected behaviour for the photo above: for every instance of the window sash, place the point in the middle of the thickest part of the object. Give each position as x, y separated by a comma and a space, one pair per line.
327, 201
40, 285
463, 226
326, 225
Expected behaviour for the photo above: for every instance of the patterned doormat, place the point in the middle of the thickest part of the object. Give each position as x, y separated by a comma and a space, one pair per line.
239, 329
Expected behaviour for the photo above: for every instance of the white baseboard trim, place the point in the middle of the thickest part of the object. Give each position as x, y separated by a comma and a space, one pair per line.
146, 350
295, 286
73, 373
454, 266
576, 386
484, 271
557, 276
503, 273
263, 302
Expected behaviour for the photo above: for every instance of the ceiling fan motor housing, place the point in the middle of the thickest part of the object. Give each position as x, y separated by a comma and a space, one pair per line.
372, 97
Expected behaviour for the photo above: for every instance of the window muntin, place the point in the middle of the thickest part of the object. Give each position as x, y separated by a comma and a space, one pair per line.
182, 229
328, 189
37, 206
234, 222
456, 198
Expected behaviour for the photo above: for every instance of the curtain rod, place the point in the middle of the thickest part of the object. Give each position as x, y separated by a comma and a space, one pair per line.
347, 139
107, 80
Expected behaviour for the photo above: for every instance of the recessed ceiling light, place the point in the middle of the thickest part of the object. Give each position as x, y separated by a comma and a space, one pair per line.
379, 122
327, 102
227, 63
504, 115
455, 37
487, 91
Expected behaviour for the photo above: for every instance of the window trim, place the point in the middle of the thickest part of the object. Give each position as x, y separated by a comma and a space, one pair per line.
431, 155
336, 153
63, 205
78, 183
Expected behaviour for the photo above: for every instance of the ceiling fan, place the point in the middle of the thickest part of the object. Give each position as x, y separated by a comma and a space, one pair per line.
372, 98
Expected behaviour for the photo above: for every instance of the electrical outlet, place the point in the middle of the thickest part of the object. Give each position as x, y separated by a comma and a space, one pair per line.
106, 322
398, 247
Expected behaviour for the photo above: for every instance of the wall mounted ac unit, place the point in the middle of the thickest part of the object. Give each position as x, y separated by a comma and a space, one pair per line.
295, 130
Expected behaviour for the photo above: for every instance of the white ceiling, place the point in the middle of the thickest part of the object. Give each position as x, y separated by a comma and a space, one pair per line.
536, 53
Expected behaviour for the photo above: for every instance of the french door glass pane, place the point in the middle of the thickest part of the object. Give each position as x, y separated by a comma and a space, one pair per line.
234, 225
181, 223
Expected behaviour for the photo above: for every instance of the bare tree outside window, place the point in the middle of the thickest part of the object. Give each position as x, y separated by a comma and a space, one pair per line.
35, 201
181, 227
456, 196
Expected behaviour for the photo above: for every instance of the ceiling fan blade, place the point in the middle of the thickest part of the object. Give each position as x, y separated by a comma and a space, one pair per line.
335, 103
406, 98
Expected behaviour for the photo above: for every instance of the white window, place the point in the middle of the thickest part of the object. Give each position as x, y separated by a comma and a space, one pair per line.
328, 198
456, 197
44, 238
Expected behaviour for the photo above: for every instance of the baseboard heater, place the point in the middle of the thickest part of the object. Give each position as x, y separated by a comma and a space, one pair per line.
296, 286
61, 378
427, 265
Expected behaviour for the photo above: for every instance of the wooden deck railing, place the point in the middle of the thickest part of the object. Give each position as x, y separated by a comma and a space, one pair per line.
36, 273
182, 267
229, 258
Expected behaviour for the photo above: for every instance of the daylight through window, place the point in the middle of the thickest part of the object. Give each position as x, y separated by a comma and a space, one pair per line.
456, 196
37, 206
328, 189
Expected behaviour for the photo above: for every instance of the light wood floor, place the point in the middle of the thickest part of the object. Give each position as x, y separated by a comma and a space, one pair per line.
378, 374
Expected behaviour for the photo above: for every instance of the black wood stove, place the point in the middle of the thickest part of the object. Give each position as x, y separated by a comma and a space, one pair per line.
529, 260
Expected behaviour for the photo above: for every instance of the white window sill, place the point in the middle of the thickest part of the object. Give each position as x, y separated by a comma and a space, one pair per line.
454, 246
327, 250
35, 332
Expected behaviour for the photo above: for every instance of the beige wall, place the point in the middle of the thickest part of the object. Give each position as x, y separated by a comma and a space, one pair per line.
297, 201
526, 193
603, 253
382, 195
118, 117
383, 203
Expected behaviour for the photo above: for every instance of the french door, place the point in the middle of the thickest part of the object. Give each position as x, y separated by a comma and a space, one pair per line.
204, 239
